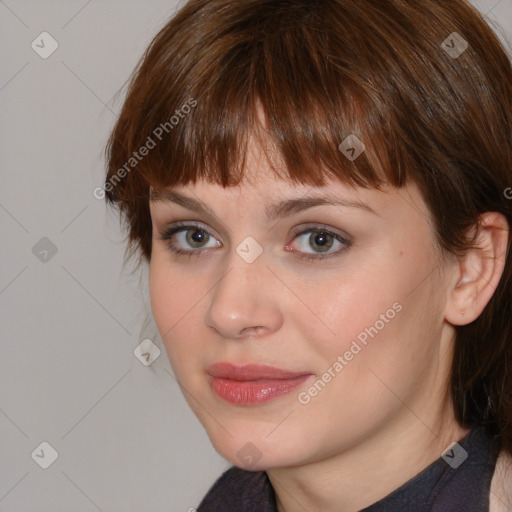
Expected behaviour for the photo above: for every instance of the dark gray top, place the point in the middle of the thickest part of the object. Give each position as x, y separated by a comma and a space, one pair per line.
459, 481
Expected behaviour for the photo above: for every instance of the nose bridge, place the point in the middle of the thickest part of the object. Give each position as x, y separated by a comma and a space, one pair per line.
243, 300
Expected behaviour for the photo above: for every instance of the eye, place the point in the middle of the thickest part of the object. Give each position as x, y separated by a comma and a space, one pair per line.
192, 235
189, 240
321, 240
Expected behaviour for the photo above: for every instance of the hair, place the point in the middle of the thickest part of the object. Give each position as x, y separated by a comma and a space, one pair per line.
304, 75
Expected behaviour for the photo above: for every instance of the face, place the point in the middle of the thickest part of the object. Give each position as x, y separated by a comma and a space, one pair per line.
347, 297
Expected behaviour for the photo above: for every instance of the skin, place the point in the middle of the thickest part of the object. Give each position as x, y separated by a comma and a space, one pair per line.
387, 414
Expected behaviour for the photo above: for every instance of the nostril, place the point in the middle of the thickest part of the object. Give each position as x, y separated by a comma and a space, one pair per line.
251, 331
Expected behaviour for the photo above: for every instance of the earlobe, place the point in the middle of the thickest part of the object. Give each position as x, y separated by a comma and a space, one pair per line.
479, 271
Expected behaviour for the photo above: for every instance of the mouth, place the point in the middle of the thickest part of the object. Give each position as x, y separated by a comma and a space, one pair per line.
253, 384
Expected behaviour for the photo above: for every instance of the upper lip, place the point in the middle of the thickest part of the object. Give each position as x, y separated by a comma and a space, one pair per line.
251, 372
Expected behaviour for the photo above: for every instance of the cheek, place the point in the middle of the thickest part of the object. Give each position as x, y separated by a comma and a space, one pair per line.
346, 307
159, 288
375, 355
376, 315
172, 303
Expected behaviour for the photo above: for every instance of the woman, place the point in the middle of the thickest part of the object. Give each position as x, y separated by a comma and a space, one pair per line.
322, 193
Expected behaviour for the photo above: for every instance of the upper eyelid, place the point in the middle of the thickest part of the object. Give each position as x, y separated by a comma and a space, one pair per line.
209, 214
297, 231
201, 224
188, 225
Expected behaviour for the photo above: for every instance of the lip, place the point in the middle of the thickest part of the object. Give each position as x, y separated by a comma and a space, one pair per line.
252, 384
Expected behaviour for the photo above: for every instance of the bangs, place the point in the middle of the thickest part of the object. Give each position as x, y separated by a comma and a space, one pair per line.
288, 89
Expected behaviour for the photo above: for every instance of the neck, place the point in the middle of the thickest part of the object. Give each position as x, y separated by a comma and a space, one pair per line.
363, 474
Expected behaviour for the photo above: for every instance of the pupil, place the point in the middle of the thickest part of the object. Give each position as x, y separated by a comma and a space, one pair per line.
198, 236
322, 240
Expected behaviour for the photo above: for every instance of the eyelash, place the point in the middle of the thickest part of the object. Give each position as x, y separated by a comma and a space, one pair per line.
168, 234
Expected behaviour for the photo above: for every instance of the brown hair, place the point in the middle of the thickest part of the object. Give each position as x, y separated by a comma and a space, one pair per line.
397, 74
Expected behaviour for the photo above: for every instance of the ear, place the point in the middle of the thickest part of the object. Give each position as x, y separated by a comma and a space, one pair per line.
478, 273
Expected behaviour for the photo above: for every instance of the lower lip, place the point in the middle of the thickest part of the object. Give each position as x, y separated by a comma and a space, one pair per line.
253, 392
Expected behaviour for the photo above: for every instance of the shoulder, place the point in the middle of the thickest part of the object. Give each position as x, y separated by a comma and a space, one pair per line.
247, 490
501, 485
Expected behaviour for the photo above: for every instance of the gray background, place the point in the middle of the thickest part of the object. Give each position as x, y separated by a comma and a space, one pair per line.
71, 319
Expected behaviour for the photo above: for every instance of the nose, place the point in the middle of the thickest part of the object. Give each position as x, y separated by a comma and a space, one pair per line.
244, 304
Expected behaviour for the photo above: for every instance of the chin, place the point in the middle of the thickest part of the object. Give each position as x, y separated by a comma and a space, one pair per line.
254, 450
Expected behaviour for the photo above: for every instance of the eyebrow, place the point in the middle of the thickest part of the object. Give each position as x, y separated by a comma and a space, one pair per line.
274, 211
